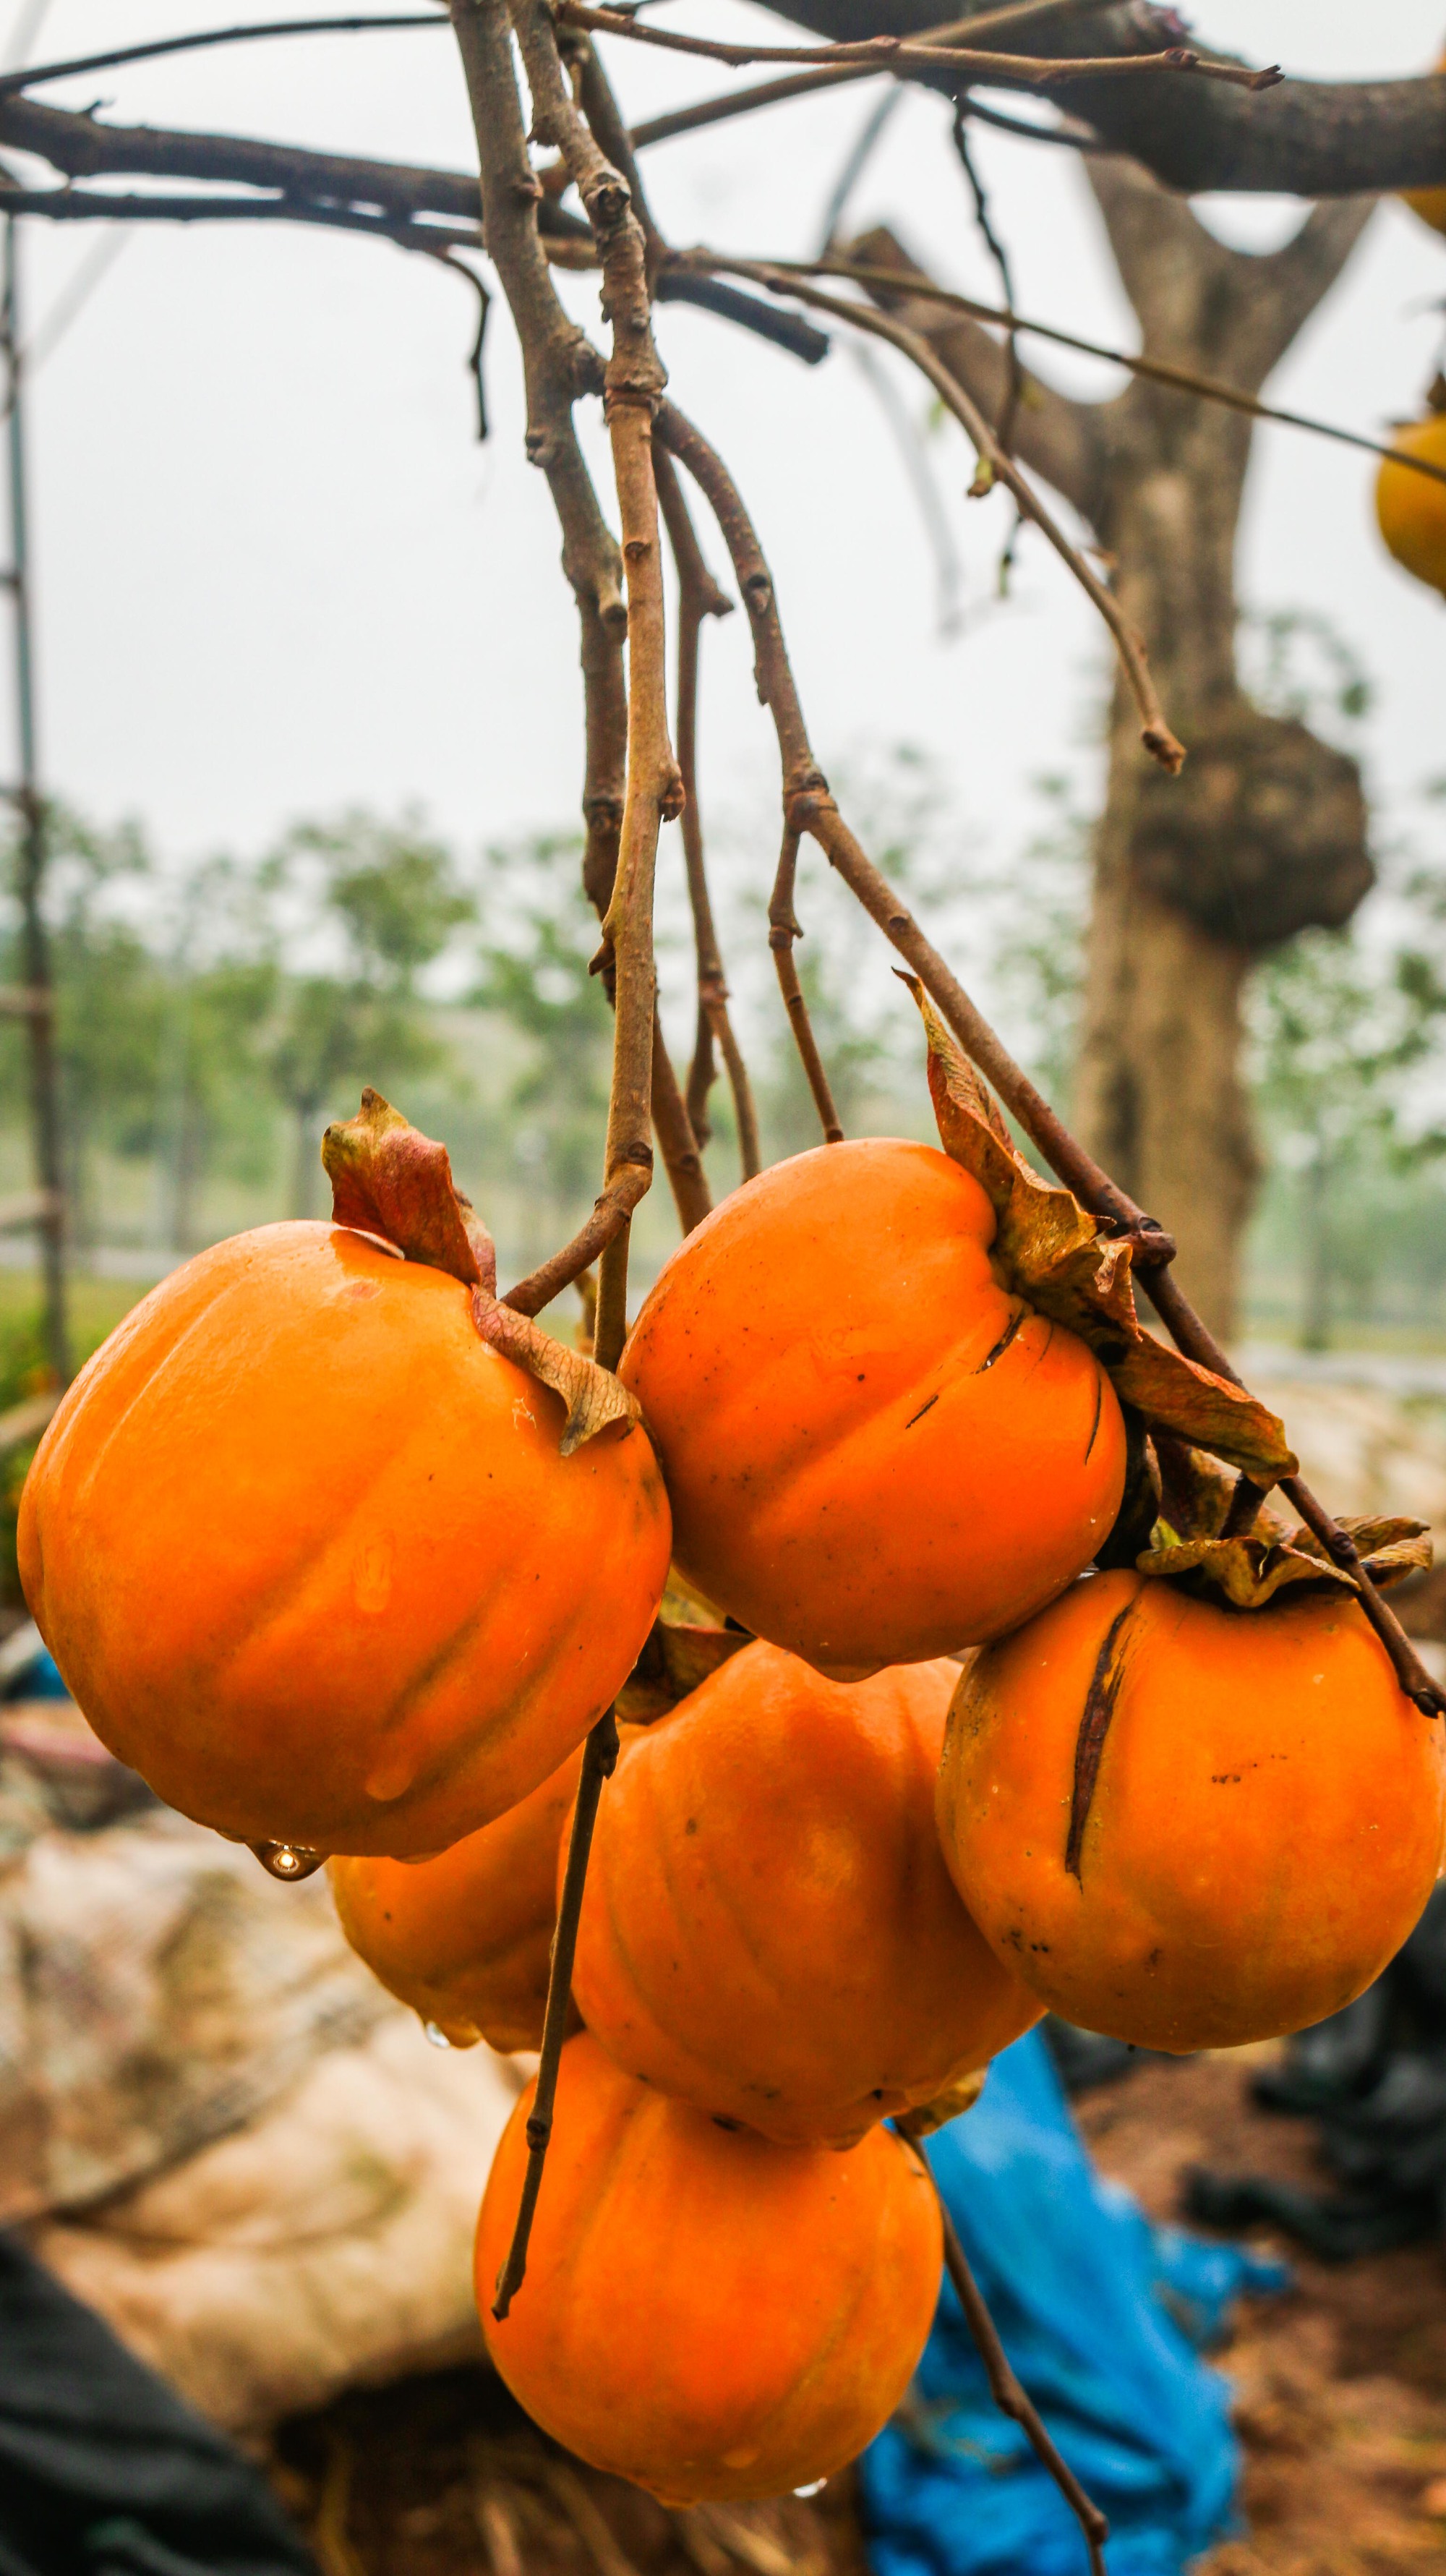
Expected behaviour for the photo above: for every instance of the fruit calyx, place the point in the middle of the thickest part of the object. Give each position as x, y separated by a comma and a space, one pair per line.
1050, 1250
390, 1181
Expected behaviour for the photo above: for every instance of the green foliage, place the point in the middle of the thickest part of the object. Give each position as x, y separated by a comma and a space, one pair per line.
539, 937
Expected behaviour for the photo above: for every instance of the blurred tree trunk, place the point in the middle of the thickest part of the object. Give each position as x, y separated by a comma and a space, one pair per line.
1265, 831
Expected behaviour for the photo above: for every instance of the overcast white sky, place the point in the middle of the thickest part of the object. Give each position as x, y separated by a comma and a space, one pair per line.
275, 572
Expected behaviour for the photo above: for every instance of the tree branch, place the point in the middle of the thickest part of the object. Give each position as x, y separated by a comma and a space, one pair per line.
699, 597
1057, 438
1304, 138
633, 383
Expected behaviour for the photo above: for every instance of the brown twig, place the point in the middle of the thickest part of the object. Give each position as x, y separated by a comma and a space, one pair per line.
677, 1138
1005, 2389
890, 53
1155, 732
600, 1754
633, 383
906, 282
809, 807
11, 82
699, 597
783, 928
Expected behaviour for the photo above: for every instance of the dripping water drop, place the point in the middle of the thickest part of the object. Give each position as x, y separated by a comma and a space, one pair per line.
436, 2034
815, 2487
290, 1861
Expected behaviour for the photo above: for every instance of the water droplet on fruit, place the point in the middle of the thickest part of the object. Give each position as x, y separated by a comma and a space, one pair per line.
436, 2034
287, 1860
815, 2488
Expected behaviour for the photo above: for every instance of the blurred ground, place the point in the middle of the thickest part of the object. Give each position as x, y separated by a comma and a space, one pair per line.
1342, 2385
1342, 2411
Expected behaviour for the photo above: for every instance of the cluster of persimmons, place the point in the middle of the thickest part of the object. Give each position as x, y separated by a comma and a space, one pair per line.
332, 1565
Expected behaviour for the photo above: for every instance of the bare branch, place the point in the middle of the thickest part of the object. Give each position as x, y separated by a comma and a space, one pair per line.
929, 54
783, 928
1055, 437
11, 82
1155, 733
699, 597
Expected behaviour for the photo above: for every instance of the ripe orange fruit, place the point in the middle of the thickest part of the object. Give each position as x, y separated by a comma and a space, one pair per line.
769, 1931
874, 1453
305, 1551
1191, 1826
704, 2313
1410, 508
465, 1938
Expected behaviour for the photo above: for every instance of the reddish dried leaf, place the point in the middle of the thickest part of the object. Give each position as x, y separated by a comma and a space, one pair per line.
594, 1398
390, 1180
1052, 1251
1251, 1571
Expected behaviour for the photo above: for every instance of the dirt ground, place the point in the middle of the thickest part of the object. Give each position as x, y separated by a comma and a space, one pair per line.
1341, 2385
1342, 2411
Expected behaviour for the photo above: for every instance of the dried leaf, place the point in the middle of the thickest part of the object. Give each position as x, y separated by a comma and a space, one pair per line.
926, 2117
1052, 1251
390, 1180
675, 1659
594, 1398
1250, 1571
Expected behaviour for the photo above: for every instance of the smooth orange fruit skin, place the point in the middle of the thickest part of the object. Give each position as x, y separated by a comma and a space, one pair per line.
306, 1554
706, 2314
858, 1471
769, 1930
1410, 509
466, 1937
1265, 1826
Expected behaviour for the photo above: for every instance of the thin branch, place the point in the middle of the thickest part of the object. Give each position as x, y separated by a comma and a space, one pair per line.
699, 597
633, 385
678, 1140
924, 289
12, 82
599, 1758
783, 928
1004, 426
91, 205
1155, 733
891, 53
1011, 2398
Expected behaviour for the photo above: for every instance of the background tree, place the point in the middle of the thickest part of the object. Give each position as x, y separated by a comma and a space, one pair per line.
383, 901
1265, 831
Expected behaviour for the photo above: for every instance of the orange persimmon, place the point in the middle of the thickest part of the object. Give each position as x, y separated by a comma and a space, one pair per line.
769, 1930
704, 2313
875, 1453
465, 1937
307, 1555
1411, 507
1190, 1825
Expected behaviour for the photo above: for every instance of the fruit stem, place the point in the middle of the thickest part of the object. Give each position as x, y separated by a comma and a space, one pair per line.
599, 1756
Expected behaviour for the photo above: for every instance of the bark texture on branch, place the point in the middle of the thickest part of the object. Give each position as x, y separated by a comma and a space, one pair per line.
1266, 830
1303, 139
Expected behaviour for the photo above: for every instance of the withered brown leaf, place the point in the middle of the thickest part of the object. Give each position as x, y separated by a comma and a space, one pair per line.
1050, 1250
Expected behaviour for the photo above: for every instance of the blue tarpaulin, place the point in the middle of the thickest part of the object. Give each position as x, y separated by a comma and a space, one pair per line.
1102, 2316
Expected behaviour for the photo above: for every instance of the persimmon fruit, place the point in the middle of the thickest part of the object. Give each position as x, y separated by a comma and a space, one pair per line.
465, 1937
769, 1930
307, 1555
1187, 1825
707, 2314
875, 1453
1411, 508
